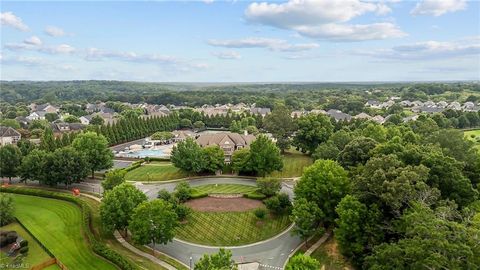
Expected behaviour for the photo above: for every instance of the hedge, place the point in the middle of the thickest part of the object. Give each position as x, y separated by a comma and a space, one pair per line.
254, 195
159, 159
97, 246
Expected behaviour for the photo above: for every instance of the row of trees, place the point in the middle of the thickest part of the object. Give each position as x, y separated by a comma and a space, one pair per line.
51, 164
190, 157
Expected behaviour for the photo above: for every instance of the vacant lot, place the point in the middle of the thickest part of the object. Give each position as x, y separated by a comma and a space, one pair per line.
155, 171
57, 225
293, 164
230, 228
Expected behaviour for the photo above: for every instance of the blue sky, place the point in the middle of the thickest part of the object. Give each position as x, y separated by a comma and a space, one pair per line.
240, 41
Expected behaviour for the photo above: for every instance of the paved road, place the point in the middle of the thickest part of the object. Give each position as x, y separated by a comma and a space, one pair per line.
272, 252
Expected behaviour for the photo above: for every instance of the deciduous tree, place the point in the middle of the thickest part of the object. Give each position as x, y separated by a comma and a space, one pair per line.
95, 148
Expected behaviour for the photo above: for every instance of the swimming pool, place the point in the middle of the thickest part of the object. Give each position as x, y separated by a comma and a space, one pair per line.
145, 153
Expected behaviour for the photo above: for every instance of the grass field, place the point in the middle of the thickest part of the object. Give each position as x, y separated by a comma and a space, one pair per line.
155, 171
468, 134
225, 188
293, 164
230, 228
35, 254
329, 256
57, 225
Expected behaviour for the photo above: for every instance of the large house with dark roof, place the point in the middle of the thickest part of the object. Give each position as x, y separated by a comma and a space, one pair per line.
9, 135
228, 141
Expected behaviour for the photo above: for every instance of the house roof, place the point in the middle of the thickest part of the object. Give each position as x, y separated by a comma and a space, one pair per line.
8, 132
339, 115
218, 138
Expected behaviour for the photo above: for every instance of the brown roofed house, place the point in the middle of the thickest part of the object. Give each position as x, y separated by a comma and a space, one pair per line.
228, 141
9, 135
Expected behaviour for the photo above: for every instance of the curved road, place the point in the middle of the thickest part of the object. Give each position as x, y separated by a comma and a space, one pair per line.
272, 252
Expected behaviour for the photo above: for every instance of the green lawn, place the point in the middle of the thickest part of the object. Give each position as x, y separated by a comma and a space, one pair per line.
293, 164
58, 225
35, 254
230, 228
468, 134
225, 188
155, 171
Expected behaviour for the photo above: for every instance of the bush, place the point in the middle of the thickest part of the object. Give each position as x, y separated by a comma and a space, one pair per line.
254, 195
24, 243
182, 211
6, 209
165, 195
260, 213
279, 204
183, 191
23, 250
6, 238
269, 186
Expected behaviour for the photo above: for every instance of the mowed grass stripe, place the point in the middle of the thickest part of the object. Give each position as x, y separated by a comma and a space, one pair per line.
226, 188
163, 172
57, 225
230, 228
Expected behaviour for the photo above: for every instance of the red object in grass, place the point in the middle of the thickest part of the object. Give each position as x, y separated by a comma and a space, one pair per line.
76, 192
5, 185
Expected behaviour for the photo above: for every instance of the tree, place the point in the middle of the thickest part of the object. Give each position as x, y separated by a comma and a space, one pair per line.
10, 123
307, 216
327, 150
33, 166
153, 222
214, 158
222, 260
162, 136
185, 123
312, 131
188, 156
302, 262
25, 146
47, 142
264, 156
71, 119
117, 206
281, 125
10, 160
240, 161
97, 120
254, 130
113, 178
95, 148
7, 209
279, 204
324, 183
67, 166
199, 125
269, 186
358, 228
50, 117
356, 152
183, 191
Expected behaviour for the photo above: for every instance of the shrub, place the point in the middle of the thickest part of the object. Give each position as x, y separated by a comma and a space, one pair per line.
260, 213
24, 243
165, 195
182, 211
183, 191
272, 204
269, 186
279, 204
254, 195
285, 203
23, 250
147, 159
6, 238
6, 209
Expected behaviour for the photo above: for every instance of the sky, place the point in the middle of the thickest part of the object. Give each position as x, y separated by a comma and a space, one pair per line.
241, 41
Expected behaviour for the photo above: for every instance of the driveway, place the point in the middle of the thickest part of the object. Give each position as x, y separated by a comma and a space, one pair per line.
273, 252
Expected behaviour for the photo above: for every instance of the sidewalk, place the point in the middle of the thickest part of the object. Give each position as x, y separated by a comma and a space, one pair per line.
320, 241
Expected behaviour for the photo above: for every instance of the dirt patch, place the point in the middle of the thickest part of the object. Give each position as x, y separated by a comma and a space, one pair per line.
210, 204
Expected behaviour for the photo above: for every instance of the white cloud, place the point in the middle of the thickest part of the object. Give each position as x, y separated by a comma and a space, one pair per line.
438, 7
9, 19
259, 42
33, 40
23, 60
428, 50
60, 49
325, 19
227, 55
29, 44
94, 54
54, 31
208, 1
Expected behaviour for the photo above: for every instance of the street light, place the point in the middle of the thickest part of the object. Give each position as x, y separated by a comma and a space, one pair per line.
191, 262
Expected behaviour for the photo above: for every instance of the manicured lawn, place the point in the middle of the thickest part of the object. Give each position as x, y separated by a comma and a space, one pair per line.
230, 228
57, 225
225, 188
155, 171
35, 254
293, 164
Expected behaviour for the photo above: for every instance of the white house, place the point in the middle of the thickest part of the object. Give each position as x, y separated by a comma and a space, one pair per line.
9, 135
